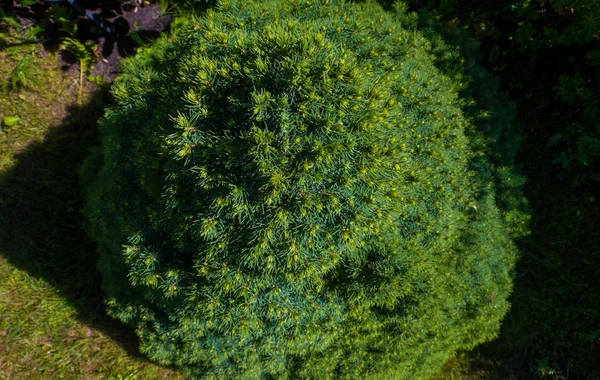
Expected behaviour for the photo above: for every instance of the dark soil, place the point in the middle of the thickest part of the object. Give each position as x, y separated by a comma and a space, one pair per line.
144, 22
131, 23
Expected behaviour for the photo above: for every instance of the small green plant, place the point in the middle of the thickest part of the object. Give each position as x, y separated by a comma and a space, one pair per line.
137, 38
96, 79
8, 22
163, 5
9, 121
64, 17
7, 26
23, 75
25, 3
84, 52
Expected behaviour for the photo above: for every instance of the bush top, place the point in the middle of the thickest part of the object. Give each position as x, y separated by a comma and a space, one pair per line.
307, 130
298, 182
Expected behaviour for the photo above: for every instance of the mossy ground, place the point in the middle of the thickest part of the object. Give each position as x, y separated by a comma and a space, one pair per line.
52, 318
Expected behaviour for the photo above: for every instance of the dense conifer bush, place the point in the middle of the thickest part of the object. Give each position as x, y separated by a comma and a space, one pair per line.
296, 189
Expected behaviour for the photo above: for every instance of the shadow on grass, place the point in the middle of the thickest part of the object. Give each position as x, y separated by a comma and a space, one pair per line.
41, 225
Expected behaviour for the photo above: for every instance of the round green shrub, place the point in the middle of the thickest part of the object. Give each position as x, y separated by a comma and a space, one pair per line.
294, 189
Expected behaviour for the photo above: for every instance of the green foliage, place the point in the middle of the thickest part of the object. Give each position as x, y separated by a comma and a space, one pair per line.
9, 121
184, 7
163, 5
23, 75
13, 34
26, 3
305, 189
7, 22
63, 15
554, 76
546, 52
579, 142
84, 52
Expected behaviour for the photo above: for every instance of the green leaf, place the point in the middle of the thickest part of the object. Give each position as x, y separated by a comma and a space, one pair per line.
163, 5
9, 121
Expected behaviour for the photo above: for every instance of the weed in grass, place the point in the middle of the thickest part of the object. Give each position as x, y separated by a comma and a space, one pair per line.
84, 53
36, 108
23, 75
7, 23
12, 33
9, 121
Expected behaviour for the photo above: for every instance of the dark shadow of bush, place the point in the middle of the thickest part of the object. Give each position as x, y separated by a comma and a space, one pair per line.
42, 228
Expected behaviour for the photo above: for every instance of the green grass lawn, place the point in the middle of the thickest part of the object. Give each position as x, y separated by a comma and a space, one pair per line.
52, 318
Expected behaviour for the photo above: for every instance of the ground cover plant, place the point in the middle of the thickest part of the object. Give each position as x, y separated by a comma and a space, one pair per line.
297, 189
